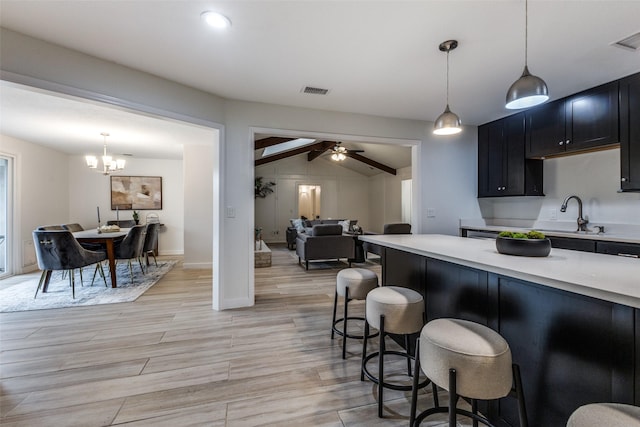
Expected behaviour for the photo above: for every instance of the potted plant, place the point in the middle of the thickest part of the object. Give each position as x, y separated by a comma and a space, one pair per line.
136, 217
532, 243
263, 188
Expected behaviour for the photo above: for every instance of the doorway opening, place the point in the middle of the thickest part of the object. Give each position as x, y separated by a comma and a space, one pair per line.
6, 218
309, 201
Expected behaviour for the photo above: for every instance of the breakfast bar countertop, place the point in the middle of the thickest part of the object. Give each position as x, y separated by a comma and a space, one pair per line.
607, 277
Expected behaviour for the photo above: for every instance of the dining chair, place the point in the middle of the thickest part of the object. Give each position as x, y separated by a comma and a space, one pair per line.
73, 227
150, 241
59, 250
51, 227
131, 247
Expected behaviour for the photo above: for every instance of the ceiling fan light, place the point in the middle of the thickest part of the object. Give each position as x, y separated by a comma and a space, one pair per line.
447, 123
527, 91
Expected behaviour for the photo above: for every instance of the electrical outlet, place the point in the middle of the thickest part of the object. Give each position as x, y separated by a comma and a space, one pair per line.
431, 212
553, 214
231, 212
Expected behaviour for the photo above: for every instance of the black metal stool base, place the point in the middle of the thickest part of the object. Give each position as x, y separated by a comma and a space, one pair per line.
392, 386
358, 337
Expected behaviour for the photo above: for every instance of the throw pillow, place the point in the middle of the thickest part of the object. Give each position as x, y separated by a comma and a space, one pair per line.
345, 225
297, 223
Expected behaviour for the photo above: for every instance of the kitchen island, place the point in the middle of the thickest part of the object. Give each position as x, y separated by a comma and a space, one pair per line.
572, 319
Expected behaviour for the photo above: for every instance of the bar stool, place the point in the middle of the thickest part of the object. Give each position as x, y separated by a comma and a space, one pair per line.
351, 284
469, 360
605, 414
391, 310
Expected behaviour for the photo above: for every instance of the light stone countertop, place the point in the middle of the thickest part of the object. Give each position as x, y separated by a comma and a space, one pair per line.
613, 232
607, 277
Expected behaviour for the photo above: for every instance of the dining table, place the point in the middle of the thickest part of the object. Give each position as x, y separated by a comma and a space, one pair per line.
108, 240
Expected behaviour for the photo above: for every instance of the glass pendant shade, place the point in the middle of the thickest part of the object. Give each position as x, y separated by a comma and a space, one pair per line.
527, 91
92, 162
447, 123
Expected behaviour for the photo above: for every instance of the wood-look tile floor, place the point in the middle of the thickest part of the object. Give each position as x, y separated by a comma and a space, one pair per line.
168, 359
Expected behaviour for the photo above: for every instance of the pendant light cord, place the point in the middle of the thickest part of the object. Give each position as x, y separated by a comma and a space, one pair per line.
448, 78
526, 30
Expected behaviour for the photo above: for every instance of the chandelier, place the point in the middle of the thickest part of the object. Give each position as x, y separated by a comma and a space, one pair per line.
108, 163
339, 154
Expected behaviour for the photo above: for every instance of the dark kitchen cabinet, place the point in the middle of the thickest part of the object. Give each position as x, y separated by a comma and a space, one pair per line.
630, 133
502, 167
581, 122
545, 129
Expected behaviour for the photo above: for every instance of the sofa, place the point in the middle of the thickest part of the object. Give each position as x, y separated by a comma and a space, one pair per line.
304, 226
324, 241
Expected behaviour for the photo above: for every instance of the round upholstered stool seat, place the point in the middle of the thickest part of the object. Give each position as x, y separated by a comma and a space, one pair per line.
480, 356
391, 310
605, 414
351, 284
467, 359
359, 281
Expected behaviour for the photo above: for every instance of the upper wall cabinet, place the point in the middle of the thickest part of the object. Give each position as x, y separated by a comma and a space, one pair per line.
630, 133
581, 122
502, 168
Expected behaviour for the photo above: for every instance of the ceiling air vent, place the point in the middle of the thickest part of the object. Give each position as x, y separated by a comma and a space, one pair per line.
629, 43
315, 90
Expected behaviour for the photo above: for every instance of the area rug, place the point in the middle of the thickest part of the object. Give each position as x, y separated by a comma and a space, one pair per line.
19, 297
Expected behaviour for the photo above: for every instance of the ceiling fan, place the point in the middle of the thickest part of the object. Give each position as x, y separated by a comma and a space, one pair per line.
339, 153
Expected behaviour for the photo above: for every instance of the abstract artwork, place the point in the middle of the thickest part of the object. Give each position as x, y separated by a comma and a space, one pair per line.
136, 192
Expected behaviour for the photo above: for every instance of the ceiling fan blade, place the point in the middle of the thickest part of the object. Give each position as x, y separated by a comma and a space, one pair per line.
355, 151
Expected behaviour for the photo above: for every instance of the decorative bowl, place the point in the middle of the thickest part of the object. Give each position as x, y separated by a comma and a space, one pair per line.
523, 247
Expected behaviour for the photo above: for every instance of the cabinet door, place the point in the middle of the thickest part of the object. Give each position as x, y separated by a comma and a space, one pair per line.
490, 159
630, 133
513, 153
545, 129
592, 118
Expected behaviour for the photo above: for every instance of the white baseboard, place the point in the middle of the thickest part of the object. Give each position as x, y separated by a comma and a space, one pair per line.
236, 303
171, 252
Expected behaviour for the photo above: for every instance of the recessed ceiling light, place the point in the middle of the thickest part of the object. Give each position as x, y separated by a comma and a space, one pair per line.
215, 19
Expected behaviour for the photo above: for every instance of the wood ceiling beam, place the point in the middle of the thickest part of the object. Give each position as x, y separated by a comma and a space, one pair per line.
368, 161
326, 145
272, 140
284, 155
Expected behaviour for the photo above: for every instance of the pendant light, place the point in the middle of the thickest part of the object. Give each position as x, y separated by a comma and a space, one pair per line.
528, 90
448, 123
109, 165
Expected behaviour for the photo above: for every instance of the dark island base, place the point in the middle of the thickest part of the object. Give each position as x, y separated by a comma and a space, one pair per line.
572, 350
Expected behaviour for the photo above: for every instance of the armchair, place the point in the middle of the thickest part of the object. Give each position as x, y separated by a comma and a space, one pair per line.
325, 241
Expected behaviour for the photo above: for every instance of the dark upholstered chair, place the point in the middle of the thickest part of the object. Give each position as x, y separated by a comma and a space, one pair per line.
150, 240
324, 242
73, 227
124, 223
131, 247
392, 228
59, 250
51, 227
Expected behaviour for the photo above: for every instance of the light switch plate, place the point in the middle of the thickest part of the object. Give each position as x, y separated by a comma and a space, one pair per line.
431, 212
231, 212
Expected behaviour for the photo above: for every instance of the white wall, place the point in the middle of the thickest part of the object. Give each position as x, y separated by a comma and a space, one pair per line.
385, 199
594, 177
452, 158
55, 188
343, 193
42, 194
197, 204
89, 189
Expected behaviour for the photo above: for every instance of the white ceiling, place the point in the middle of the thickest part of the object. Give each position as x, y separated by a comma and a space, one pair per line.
375, 57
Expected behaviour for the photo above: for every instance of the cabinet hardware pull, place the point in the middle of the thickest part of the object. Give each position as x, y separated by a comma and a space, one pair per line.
568, 141
561, 143
623, 179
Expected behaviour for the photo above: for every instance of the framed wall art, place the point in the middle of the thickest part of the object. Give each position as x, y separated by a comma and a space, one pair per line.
136, 192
